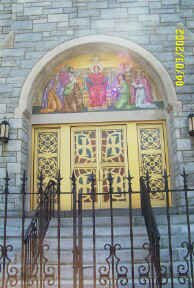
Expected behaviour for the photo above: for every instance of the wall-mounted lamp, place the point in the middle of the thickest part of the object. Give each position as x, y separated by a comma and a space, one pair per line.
4, 131
191, 124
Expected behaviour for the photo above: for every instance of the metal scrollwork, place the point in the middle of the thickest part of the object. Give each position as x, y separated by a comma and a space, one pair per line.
113, 261
4, 253
184, 269
104, 270
48, 271
164, 275
144, 270
122, 272
104, 275
32, 275
10, 272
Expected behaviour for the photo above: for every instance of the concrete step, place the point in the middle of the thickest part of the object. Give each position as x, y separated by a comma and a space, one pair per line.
123, 220
14, 224
103, 236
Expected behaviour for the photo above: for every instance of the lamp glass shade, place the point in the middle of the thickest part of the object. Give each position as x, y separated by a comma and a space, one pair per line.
4, 131
191, 124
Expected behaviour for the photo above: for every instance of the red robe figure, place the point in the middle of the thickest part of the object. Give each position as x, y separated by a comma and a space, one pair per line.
97, 86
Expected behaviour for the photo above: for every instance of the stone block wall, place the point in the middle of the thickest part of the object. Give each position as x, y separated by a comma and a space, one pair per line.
40, 26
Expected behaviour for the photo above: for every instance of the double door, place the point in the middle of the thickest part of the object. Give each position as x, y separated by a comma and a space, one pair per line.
101, 149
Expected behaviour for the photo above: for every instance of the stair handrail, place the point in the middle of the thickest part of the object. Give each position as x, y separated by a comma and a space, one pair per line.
151, 226
39, 224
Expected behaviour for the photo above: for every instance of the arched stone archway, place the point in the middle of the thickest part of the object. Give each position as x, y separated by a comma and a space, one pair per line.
157, 71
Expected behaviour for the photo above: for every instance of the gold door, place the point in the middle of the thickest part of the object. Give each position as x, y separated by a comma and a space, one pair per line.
101, 149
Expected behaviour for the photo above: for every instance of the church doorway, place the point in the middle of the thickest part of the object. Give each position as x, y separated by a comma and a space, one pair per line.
102, 148
99, 107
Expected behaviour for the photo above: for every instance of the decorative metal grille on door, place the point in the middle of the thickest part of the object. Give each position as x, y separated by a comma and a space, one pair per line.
46, 157
152, 157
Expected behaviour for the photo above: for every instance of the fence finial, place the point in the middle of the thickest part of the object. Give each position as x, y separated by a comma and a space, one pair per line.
129, 179
6, 182
73, 179
185, 175
92, 180
59, 176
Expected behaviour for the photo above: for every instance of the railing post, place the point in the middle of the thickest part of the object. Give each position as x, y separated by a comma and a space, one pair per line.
41, 225
59, 227
189, 244
75, 249
4, 247
129, 179
110, 181
93, 196
142, 195
166, 190
80, 247
23, 268
158, 266
40, 192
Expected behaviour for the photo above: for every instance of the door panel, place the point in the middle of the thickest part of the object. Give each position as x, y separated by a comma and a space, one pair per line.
119, 184
114, 160
45, 157
49, 154
84, 147
85, 160
113, 146
84, 186
153, 158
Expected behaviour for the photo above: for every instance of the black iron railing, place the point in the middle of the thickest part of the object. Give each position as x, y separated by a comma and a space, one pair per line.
36, 231
152, 229
91, 248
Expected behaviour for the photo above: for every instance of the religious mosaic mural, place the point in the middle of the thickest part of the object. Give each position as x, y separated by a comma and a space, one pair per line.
97, 82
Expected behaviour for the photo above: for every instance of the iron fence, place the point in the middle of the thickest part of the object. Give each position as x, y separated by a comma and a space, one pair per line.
51, 248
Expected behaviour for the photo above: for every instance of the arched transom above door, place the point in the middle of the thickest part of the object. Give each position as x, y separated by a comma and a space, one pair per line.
97, 77
121, 65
